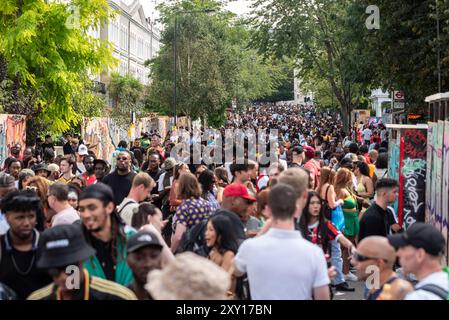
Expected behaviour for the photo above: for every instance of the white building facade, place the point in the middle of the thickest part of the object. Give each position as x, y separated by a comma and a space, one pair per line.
134, 38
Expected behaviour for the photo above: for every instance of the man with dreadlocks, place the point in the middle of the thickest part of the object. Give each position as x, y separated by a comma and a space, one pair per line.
106, 233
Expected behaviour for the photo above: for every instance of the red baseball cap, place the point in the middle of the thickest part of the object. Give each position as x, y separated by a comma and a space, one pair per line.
310, 152
237, 190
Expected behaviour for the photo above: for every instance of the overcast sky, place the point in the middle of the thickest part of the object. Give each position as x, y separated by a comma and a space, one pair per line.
240, 7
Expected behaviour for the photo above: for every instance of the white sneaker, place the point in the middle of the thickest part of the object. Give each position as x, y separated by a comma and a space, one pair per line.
351, 277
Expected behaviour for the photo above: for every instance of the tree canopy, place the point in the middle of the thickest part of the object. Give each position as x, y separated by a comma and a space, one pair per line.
215, 65
47, 54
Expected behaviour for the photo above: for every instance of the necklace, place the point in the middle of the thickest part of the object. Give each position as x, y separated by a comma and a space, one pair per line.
17, 268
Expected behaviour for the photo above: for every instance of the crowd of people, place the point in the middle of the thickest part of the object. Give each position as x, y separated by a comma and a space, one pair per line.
145, 225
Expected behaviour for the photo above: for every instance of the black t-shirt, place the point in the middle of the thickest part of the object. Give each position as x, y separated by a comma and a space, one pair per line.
67, 148
48, 145
155, 175
375, 222
18, 269
104, 255
120, 185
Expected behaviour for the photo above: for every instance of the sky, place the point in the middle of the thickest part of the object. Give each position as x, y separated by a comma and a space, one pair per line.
239, 7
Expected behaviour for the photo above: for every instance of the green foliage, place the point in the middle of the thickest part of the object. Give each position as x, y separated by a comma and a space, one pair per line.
127, 95
322, 38
405, 47
48, 51
215, 66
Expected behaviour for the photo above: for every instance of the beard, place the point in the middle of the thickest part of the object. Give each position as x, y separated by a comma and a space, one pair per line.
122, 169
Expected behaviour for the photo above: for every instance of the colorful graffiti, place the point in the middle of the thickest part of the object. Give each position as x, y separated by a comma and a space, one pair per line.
437, 186
445, 182
393, 165
103, 134
375, 121
12, 131
414, 176
95, 132
430, 217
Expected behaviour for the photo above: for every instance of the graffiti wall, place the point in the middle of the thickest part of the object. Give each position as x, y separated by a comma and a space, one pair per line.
12, 131
437, 187
430, 210
407, 164
413, 176
445, 193
95, 133
393, 165
103, 134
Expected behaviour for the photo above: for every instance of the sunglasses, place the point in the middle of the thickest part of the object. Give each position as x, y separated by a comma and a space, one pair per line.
31, 188
122, 158
361, 258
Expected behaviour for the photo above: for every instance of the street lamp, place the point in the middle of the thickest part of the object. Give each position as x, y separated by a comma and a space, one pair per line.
175, 53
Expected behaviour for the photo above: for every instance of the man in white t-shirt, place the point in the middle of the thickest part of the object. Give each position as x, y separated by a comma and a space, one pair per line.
58, 200
420, 250
280, 264
141, 189
367, 135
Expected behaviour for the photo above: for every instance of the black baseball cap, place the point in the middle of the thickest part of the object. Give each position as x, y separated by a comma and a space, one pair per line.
63, 245
142, 239
420, 235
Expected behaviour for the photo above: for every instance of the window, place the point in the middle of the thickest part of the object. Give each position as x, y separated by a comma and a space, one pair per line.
133, 44
123, 67
124, 37
140, 48
147, 51
114, 33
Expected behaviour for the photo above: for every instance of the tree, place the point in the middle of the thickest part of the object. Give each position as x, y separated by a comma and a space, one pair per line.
48, 55
320, 36
215, 66
127, 96
285, 90
405, 47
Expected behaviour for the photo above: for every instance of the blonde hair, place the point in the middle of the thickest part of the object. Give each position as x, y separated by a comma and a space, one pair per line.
296, 178
143, 178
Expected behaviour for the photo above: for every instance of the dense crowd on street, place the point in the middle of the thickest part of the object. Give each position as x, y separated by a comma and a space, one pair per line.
144, 224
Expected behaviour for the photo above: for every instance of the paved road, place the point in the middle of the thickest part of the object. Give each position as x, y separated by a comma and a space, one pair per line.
356, 295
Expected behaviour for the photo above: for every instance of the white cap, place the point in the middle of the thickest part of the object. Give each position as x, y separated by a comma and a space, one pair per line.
82, 150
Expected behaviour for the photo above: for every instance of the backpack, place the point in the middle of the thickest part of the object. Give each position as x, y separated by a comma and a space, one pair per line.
193, 240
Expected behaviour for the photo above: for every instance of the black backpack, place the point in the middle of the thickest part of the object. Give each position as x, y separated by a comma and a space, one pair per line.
193, 240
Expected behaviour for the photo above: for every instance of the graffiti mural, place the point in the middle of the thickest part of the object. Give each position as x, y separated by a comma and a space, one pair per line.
95, 133
393, 165
445, 182
12, 131
414, 176
429, 213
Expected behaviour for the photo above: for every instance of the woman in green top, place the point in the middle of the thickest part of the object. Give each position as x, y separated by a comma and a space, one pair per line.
343, 189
